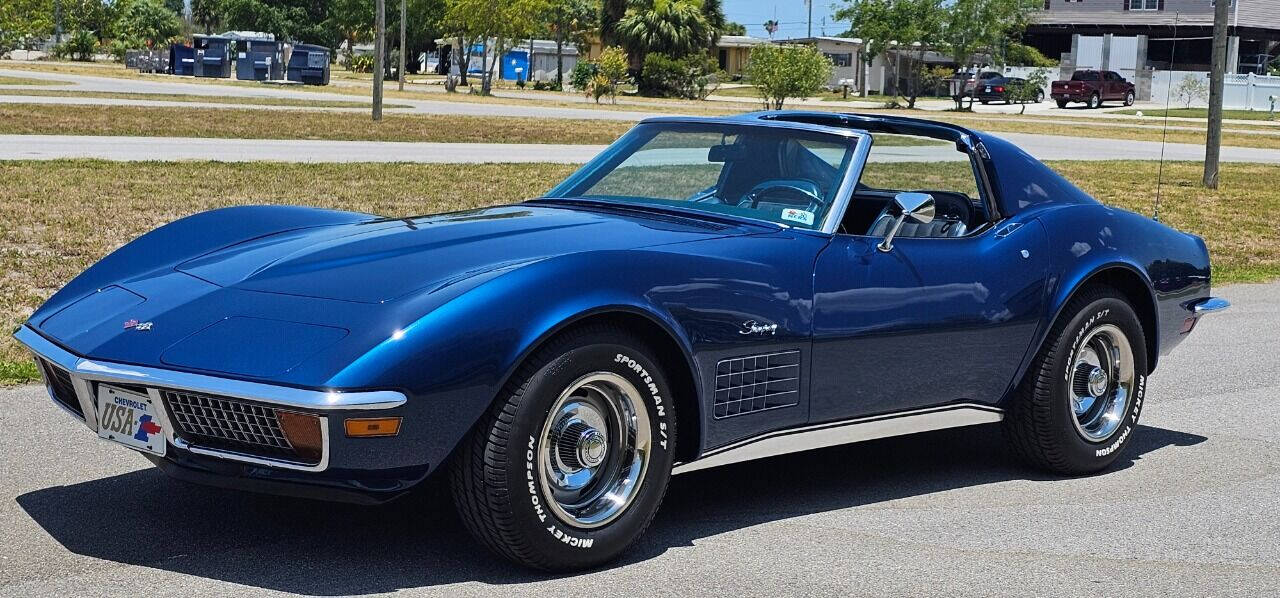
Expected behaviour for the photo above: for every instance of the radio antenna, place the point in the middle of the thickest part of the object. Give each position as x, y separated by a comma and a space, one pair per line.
1164, 135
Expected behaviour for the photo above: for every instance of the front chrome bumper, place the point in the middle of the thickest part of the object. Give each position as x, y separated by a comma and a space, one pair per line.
86, 373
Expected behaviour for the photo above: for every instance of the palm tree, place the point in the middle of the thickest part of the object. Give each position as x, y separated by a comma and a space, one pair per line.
713, 12
672, 27
611, 11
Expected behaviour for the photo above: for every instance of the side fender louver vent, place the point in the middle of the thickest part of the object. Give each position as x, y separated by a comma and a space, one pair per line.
756, 383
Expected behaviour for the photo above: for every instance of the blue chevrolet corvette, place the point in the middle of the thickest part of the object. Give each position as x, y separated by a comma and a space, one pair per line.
705, 291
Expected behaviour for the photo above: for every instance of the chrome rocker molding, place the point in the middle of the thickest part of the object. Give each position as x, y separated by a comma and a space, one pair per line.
265, 393
844, 432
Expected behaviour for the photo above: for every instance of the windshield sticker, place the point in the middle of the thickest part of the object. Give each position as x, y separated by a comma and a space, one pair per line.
801, 216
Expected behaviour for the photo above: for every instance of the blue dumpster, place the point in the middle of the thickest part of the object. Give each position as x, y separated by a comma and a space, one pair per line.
515, 65
213, 56
259, 60
309, 64
182, 60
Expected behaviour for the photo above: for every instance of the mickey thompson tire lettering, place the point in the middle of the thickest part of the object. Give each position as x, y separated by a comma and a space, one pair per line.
526, 525
1040, 423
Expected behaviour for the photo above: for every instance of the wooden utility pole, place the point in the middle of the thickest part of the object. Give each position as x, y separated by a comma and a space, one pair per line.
379, 57
403, 11
1217, 72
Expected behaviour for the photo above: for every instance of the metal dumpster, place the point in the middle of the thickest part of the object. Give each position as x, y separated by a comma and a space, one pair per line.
259, 60
182, 60
213, 56
309, 64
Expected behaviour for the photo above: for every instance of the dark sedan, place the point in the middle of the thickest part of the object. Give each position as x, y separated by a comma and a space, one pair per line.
1003, 89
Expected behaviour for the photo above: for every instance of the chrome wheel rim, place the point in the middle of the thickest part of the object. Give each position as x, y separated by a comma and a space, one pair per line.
595, 450
1102, 381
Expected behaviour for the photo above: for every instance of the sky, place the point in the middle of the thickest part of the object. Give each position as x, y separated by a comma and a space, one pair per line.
792, 16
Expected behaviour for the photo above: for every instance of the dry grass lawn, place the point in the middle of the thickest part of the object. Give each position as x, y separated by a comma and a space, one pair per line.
58, 217
51, 119
184, 97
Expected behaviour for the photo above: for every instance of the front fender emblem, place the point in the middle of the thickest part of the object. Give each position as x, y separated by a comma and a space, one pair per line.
754, 327
136, 325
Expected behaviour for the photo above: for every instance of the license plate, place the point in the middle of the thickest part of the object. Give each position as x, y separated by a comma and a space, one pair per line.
130, 418
988, 88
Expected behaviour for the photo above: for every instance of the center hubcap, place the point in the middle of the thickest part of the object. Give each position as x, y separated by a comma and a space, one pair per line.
592, 446
1098, 382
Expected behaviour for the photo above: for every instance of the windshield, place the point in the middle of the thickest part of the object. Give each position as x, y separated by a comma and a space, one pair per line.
783, 175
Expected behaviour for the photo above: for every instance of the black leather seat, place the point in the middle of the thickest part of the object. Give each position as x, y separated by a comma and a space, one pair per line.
939, 227
952, 214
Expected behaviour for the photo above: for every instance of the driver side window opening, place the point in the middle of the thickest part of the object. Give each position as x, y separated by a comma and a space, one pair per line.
779, 174
898, 163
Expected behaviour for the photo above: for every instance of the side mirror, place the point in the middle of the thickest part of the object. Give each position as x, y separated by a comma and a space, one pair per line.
916, 206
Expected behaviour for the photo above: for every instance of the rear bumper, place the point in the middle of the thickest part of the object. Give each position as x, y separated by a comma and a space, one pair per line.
1069, 97
368, 470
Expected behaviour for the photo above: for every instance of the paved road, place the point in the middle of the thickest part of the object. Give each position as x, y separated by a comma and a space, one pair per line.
49, 147
1188, 511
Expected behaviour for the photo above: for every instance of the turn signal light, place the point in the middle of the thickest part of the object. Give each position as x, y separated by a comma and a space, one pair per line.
372, 427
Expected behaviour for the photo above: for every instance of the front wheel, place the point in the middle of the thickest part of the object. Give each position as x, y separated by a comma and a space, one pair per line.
1039, 96
569, 466
1079, 403
1128, 99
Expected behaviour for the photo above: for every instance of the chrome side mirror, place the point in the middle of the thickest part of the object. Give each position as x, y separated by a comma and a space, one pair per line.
916, 206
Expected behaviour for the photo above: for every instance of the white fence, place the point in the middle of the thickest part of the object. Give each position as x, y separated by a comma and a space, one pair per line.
1240, 92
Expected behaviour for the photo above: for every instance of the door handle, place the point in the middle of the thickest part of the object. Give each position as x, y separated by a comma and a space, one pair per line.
1008, 229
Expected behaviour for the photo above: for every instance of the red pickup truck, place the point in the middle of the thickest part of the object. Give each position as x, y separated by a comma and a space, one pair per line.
1093, 88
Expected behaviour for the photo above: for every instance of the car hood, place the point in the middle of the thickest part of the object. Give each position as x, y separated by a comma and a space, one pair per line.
383, 260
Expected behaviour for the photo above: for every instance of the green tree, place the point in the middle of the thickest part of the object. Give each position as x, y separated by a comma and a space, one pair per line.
611, 71
23, 21
732, 28
972, 27
503, 21
676, 28
1030, 89
611, 11
205, 14
146, 22
569, 21
713, 14
781, 72
895, 25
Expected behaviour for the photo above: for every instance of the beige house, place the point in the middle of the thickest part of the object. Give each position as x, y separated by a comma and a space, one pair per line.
732, 51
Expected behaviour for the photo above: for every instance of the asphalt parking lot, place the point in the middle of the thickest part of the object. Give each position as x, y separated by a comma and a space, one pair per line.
1188, 511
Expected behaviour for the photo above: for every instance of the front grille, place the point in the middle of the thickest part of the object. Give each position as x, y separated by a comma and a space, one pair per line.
229, 424
757, 382
60, 386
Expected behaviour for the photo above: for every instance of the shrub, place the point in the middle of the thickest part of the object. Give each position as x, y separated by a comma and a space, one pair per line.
1190, 89
781, 72
611, 71
692, 77
360, 63
1023, 55
582, 73
79, 46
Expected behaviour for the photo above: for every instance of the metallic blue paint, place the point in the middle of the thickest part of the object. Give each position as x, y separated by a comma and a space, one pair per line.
444, 308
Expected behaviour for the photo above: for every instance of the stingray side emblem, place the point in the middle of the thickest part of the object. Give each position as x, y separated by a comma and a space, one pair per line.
754, 327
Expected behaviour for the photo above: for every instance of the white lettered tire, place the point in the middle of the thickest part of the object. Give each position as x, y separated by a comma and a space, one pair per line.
1078, 405
571, 463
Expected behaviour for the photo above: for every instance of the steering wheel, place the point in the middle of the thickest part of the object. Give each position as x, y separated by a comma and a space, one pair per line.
795, 191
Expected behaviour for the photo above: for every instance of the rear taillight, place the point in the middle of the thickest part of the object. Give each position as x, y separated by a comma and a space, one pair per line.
999, 89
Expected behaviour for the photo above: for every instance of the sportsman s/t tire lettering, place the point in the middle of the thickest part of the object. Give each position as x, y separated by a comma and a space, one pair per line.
509, 482
1044, 421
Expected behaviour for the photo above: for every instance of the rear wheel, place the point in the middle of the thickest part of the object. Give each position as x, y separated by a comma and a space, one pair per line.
1095, 101
571, 463
1062, 103
1076, 409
